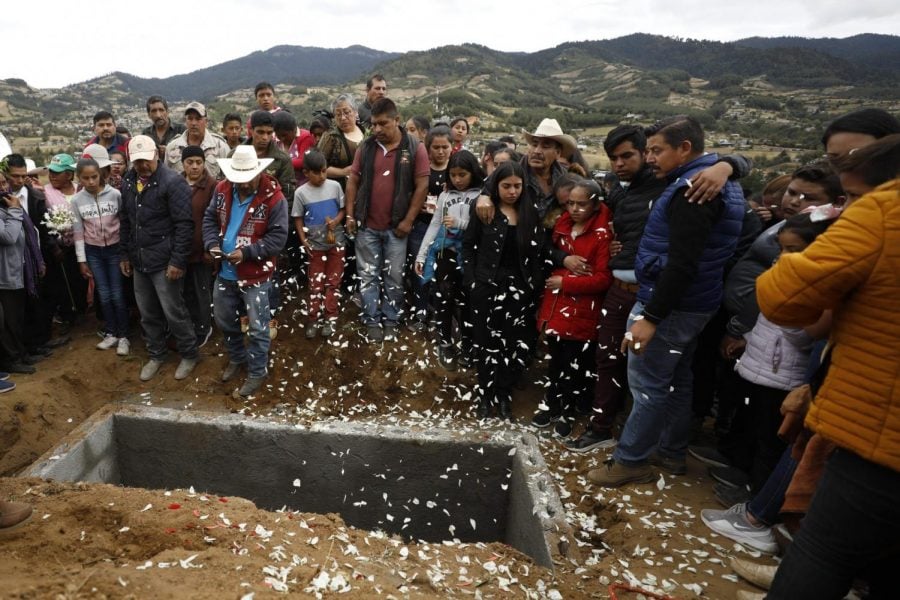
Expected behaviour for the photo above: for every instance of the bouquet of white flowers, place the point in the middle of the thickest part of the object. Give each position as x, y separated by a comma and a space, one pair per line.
58, 219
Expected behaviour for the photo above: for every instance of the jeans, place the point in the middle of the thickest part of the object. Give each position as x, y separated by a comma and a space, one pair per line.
661, 384
230, 301
612, 365
767, 502
380, 257
161, 303
198, 296
853, 524
104, 264
326, 268
420, 288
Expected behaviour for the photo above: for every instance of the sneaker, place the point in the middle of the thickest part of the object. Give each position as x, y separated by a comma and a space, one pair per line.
730, 476
202, 339
13, 515
729, 496
61, 340
251, 385
374, 334
733, 524
709, 455
446, 357
4, 376
230, 371
21, 368
544, 418
150, 369
390, 333
102, 333
615, 474
273, 329
185, 368
415, 326
108, 342
759, 575
672, 466
123, 348
245, 324
311, 330
562, 429
6, 386
328, 328
591, 440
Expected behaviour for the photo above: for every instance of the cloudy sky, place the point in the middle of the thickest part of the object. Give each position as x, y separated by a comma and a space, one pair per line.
65, 42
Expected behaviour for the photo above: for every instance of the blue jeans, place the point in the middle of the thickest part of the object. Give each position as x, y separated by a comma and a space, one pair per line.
661, 382
104, 264
380, 257
230, 301
161, 303
420, 288
766, 504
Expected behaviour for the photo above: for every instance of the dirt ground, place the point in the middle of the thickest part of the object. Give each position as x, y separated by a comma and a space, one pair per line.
103, 541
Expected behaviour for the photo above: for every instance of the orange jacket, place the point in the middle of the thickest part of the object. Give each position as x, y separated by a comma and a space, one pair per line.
853, 268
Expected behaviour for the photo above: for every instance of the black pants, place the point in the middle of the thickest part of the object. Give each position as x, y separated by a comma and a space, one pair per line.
765, 418
451, 301
12, 343
572, 375
852, 529
500, 314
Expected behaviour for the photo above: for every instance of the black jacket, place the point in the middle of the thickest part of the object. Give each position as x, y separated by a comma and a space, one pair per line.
156, 226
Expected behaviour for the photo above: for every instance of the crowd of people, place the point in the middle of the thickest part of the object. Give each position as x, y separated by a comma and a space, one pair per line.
665, 282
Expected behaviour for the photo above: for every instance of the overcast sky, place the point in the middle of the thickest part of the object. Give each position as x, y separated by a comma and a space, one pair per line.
64, 41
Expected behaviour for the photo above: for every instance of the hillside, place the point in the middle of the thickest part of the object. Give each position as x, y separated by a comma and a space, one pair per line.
873, 50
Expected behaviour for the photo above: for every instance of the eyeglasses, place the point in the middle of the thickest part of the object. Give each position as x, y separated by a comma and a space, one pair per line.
343, 113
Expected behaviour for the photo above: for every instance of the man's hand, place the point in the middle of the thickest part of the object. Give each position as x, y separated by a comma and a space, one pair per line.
307, 244
706, 185
615, 247
731, 347
85, 270
403, 228
125, 267
173, 273
484, 208
350, 226
42, 270
577, 265
235, 257
553, 283
637, 338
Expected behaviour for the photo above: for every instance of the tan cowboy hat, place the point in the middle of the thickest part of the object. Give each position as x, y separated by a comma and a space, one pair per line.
243, 164
549, 128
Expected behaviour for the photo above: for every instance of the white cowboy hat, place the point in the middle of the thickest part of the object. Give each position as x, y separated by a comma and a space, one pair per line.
243, 164
549, 128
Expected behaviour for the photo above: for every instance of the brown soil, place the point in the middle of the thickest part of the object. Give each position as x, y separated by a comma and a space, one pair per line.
102, 541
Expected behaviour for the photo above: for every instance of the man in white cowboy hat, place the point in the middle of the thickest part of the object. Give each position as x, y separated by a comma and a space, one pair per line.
246, 227
196, 134
156, 230
547, 144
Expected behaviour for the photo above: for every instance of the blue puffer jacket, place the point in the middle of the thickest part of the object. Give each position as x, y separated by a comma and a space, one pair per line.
156, 226
705, 293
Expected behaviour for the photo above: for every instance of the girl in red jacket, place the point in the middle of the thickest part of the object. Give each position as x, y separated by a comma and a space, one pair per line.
570, 309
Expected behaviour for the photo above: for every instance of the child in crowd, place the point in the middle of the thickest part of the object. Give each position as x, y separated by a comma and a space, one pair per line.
502, 273
439, 256
233, 130
95, 228
318, 212
570, 310
118, 166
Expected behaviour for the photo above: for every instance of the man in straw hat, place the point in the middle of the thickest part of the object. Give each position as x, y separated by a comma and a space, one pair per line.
246, 227
156, 230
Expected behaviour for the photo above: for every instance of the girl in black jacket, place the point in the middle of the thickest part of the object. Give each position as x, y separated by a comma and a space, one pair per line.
502, 271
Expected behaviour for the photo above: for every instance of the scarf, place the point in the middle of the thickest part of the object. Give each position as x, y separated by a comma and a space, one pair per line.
34, 261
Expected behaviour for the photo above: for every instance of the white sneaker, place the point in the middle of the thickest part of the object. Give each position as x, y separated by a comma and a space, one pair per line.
733, 524
124, 347
108, 342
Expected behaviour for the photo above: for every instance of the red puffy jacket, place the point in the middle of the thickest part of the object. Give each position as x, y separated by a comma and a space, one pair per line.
573, 311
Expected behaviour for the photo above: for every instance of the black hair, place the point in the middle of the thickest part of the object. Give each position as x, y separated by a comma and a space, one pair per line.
803, 226
875, 163
16, 160
284, 121
625, 133
121, 129
435, 132
421, 123
869, 121
577, 159
384, 107
371, 80
513, 155
457, 120
263, 85
231, 117
320, 122
314, 161
678, 129
84, 163
155, 99
261, 118
102, 115
821, 173
528, 221
467, 161
593, 189
565, 182
508, 139
492, 147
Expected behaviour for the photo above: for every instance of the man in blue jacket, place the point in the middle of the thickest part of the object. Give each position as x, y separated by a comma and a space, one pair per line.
679, 270
156, 232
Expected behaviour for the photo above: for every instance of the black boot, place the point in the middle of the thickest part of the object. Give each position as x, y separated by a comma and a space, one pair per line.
483, 411
504, 409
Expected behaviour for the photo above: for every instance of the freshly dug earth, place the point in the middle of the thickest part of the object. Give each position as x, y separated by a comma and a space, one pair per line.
102, 541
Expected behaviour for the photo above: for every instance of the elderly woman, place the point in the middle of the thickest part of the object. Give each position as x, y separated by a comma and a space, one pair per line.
339, 145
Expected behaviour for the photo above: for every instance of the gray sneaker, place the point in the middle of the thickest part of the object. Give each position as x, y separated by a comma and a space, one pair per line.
150, 369
251, 385
312, 329
185, 368
230, 371
733, 524
328, 328
390, 333
374, 334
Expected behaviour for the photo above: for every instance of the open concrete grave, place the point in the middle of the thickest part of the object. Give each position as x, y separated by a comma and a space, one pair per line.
423, 484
